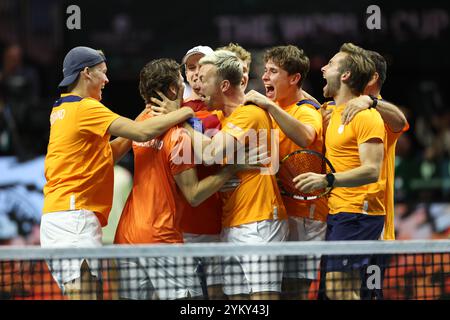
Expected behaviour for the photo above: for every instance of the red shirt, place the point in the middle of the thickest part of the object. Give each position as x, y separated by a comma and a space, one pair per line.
206, 218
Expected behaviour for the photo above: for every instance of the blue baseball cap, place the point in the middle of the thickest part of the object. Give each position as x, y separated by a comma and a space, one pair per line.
76, 60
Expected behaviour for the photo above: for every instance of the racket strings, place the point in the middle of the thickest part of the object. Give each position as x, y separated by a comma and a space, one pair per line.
297, 164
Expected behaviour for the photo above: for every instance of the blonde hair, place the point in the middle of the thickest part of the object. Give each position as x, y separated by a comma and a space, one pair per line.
241, 53
228, 66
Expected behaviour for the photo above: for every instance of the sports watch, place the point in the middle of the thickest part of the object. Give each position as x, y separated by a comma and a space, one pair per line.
374, 101
330, 179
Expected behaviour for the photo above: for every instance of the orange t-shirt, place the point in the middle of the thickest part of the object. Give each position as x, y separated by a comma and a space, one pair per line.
153, 211
388, 173
79, 162
307, 114
257, 197
341, 144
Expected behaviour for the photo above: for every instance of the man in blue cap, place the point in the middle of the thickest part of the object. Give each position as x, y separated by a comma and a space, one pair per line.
79, 166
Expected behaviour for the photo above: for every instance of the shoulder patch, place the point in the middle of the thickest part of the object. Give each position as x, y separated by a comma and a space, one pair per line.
308, 101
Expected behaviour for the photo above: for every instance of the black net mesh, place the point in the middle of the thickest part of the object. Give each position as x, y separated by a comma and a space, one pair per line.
227, 276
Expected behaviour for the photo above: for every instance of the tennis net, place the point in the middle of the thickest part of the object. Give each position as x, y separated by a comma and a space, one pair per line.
288, 270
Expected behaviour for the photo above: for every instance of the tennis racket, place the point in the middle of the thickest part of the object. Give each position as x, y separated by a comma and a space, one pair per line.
298, 162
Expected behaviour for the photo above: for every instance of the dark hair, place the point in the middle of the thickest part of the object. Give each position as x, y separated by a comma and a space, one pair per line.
289, 58
359, 64
158, 75
380, 66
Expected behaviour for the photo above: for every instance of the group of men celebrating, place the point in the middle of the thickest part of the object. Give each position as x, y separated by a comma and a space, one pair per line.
208, 201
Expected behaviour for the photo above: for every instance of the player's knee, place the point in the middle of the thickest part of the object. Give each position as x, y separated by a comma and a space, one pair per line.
332, 292
270, 295
334, 287
74, 291
340, 290
82, 289
215, 292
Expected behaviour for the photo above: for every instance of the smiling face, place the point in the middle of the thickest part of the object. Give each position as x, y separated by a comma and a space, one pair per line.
192, 69
332, 74
210, 91
276, 81
97, 80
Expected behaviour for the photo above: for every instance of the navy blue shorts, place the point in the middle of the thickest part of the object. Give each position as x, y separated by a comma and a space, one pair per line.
351, 226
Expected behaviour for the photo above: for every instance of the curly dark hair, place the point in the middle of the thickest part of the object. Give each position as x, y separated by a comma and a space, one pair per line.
158, 75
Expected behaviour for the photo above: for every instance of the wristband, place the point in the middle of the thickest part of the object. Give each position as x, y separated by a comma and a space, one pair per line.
374, 102
330, 179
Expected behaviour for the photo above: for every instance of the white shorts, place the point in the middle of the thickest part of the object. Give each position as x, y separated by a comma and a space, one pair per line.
165, 278
212, 267
304, 229
254, 273
70, 229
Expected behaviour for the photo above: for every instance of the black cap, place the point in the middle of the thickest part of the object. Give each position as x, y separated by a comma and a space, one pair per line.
76, 60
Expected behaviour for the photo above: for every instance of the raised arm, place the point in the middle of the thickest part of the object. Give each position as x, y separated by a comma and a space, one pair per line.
120, 146
148, 129
391, 114
302, 134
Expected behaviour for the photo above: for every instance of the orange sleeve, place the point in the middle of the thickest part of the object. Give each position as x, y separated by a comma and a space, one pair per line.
389, 130
181, 157
242, 120
94, 117
310, 117
367, 125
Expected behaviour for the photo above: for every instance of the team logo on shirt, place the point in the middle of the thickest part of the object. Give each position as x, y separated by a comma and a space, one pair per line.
234, 127
57, 115
154, 143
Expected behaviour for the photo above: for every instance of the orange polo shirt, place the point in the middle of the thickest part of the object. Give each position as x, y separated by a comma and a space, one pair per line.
153, 211
307, 114
79, 162
342, 150
257, 197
